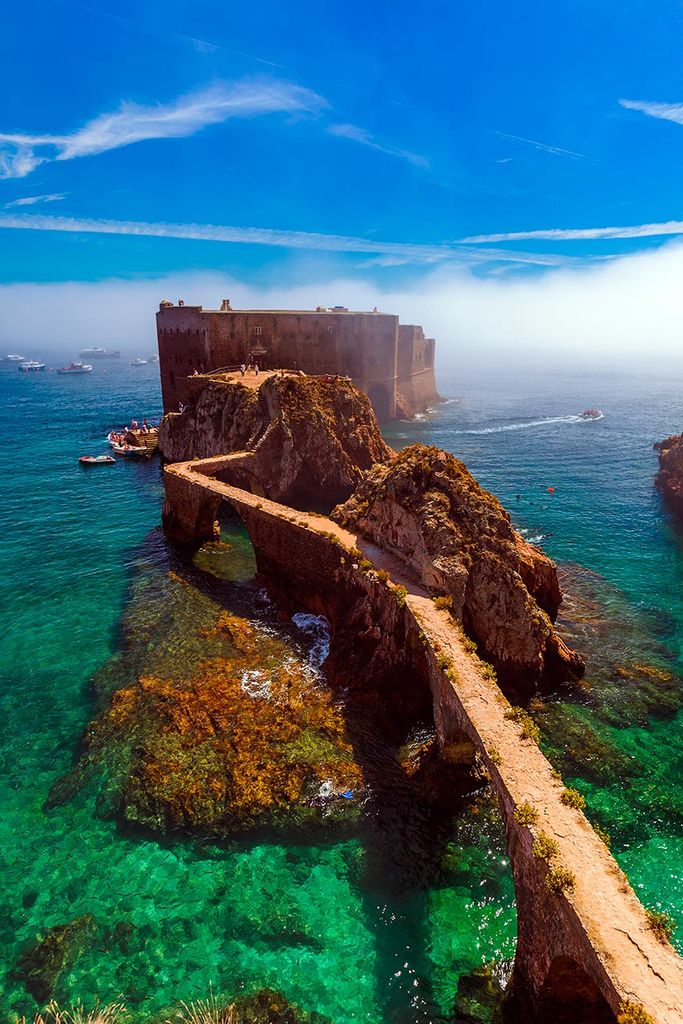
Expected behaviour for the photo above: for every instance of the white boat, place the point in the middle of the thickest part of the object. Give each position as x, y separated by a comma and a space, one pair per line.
139, 362
153, 359
129, 450
99, 353
75, 368
13, 357
31, 366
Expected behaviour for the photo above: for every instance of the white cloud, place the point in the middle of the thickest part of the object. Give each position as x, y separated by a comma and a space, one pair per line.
545, 148
406, 252
669, 227
614, 313
53, 197
365, 138
133, 122
665, 111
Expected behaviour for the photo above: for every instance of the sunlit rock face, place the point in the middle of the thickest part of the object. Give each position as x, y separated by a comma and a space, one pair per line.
670, 477
312, 437
458, 540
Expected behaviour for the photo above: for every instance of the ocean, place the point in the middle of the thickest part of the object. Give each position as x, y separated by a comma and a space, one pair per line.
378, 922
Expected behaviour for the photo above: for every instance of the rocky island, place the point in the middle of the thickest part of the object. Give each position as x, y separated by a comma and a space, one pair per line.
669, 480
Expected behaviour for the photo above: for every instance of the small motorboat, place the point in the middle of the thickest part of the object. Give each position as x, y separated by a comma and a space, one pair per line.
129, 450
14, 357
31, 366
96, 460
75, 368
139, 362
591, 414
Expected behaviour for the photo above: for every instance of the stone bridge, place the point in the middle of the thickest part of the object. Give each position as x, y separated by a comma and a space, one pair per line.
582, 953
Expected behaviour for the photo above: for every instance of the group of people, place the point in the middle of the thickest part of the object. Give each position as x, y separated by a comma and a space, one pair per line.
251, 368
119, 436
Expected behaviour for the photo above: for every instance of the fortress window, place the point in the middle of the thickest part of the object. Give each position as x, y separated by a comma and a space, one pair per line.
257, 330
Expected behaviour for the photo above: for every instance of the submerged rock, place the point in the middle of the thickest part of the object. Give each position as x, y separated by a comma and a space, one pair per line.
479, 999
42, 964
239, 745
312, 437
457, 539
270, 1007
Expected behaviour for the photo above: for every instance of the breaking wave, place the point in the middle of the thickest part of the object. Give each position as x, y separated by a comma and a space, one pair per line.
317, 630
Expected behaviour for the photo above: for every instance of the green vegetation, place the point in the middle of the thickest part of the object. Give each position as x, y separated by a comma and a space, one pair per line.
365, 564
601, 834
572, 798
494, 756
489, 672
530, 730
663, 925
557, 775
442, 660
525, 814
401, 594
559, 880
355, 553
545, 847
443, 602
633, 1013
382, 575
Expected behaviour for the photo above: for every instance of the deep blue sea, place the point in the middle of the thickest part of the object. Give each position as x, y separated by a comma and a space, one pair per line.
80, 548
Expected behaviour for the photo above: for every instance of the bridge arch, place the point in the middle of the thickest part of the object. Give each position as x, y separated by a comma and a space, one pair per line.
570, 996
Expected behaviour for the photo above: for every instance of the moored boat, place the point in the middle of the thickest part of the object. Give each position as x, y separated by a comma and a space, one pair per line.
129, 450
96, 460
75, 368
31, 366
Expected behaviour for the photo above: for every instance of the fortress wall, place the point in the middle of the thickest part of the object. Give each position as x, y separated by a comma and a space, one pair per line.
392, 363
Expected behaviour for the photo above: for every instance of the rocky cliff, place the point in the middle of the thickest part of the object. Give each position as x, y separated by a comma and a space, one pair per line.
312, 438
427, 508
669, 480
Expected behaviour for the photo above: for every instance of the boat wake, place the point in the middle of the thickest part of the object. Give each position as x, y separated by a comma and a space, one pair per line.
545, 422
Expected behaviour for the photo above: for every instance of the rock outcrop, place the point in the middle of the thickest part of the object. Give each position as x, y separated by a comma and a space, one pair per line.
240, 745
457, 540
312, 438
669, 480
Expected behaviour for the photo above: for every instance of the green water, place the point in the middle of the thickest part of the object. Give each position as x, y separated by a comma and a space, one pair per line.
374, 925
376, 922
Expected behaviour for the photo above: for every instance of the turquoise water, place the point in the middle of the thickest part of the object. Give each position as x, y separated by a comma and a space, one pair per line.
376, 923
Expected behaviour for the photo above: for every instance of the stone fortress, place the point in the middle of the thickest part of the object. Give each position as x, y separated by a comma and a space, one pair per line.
392, 363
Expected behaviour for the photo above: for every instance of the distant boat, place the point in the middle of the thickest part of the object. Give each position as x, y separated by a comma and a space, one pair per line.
97, 460
99, 353
591, 414
75, 368
139, 362
14, 358
153, 358
31, 366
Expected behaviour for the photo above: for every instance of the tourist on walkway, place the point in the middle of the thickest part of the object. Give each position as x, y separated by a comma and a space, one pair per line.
256, 369
243, 369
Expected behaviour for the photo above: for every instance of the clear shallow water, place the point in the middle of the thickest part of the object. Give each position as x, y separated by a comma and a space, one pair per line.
375, 926
519, 434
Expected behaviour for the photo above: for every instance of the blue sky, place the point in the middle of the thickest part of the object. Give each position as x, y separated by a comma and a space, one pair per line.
366, 138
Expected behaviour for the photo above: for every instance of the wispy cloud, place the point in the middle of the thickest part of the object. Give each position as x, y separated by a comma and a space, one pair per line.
365, 138
406, 252
665, 111
545, 148
669, 227
133, 122
53, 197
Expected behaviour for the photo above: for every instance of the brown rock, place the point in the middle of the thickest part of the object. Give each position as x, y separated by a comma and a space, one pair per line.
312, 437
457, 539
669, 480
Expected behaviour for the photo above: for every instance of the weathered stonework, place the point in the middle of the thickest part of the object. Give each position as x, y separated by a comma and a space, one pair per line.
393, 363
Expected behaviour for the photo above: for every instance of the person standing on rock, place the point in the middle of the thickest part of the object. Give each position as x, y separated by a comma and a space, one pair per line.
256, 369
